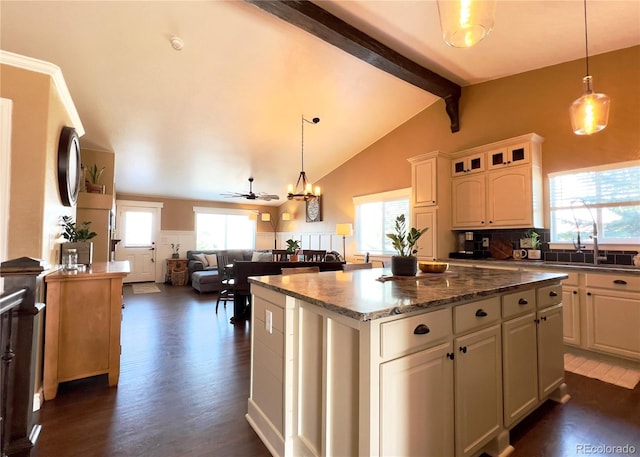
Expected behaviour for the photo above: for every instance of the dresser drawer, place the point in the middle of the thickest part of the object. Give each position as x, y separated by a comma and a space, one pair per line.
410, 334
476, 314
549, 295
614, 281
518, 303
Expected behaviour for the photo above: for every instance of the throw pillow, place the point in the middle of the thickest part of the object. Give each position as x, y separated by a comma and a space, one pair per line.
201, 258
261, 256
212, 260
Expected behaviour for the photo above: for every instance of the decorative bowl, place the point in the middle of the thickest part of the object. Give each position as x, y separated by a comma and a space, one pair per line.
433, 267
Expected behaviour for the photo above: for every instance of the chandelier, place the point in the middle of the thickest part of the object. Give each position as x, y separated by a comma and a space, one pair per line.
303, 190
465, 22
589, 113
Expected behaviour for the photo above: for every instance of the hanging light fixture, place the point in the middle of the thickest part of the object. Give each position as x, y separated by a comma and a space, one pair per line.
465, 22
303, 190
589, 113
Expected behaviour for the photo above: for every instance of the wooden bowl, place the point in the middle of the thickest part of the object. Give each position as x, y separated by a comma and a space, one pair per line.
433, 267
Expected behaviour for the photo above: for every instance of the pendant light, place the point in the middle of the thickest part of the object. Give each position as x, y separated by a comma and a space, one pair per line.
589, 113
465, 22
303, 190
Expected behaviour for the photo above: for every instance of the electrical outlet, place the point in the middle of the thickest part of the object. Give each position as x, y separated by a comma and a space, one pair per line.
268, 321
485, 242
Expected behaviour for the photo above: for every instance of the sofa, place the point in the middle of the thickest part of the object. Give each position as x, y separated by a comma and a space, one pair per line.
204, 274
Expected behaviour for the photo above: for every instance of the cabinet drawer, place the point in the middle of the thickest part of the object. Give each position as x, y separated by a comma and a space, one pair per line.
399, 337
476, 314
518, 303
615, 281
549, 295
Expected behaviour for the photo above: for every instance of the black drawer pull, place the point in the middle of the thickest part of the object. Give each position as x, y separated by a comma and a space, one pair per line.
421, 330
463, 349
575, 292
523, 301
481, 313
620, 281
451, 355
553, 293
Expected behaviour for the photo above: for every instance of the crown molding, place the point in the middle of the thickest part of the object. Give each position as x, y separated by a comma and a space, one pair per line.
55, 73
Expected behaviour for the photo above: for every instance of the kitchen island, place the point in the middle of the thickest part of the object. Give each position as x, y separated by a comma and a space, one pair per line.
344, 363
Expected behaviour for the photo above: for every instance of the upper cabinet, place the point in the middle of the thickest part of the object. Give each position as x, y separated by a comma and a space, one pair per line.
467, 165
505, 194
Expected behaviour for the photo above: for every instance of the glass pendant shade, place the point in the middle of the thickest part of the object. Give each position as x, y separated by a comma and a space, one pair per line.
589, 113
465, 22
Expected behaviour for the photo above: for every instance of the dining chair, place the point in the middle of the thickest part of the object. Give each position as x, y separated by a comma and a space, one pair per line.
356, 266
279, 255
314, 255
228, 282
295, 271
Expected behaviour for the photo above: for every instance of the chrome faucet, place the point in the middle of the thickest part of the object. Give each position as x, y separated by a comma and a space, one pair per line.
596, 254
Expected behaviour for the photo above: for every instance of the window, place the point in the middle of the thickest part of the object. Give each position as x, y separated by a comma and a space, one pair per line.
608, 196
376, 216
220, 228
138, 228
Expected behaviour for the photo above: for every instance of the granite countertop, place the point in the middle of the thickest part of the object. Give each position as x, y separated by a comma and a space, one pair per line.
545, 265
360, 295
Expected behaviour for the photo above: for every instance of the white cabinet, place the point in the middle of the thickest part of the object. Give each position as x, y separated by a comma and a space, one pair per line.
571, 310
424, 178
550, 350
508, 194
510, 198
416, 409
426, 245
430, 196
478, 389
613, 314
468, 202
508, 155
473, 163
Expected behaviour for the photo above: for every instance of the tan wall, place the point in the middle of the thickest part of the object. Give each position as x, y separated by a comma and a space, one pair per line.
35, 207
536, 101
177, 214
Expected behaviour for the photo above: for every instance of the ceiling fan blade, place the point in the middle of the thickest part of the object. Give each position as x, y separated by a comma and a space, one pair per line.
268, 197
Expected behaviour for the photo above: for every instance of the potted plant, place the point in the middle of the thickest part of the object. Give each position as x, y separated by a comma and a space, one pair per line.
93, 184
293, 246
533, 245
77, 237
405, 263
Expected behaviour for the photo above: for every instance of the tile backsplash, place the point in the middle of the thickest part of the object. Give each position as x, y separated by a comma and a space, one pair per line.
550, 255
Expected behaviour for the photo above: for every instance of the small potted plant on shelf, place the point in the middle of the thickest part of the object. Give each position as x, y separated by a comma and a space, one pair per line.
293, 246
77, 237
405, 263
532, 243
93, 183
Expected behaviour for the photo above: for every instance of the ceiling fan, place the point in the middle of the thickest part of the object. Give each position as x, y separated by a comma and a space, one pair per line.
251, 195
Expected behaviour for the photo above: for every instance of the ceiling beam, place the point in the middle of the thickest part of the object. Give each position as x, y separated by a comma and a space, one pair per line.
324, 25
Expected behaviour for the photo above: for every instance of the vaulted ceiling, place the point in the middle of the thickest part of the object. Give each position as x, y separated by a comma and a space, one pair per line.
198, 122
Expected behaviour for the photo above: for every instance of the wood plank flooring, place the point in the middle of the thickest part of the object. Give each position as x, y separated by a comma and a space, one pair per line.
184, 386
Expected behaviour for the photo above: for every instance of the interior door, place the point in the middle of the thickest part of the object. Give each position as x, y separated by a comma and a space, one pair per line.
137, 228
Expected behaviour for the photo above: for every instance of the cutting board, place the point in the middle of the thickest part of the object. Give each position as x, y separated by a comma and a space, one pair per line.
500, 248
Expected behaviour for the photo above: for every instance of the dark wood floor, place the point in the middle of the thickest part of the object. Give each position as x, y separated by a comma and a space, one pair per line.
184, 385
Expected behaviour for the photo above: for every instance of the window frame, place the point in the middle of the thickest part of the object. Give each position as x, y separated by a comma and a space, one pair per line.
595, 209
251, 215
388, 196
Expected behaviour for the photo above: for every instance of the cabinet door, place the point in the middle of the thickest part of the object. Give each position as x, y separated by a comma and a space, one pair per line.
468, 202
426, 217
508, 156
416, 404
478, 389
468, 165
520, 367
550, 350
613, 320
509, 198
571, 315
424, 182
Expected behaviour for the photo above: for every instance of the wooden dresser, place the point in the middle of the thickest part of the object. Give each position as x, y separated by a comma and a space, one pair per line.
82, 329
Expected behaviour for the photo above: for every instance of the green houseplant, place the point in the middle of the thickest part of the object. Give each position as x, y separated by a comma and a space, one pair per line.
93, 183
293, 246
404, 242
77, 236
